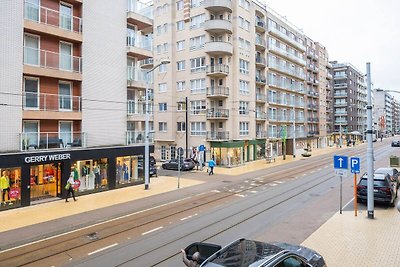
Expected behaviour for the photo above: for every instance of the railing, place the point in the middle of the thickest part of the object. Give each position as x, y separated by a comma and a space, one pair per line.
138, 75
261, 115
261, 134
261, 60
147, 61
52, 60
134, 137
51, 102
224, 135
46, 140
261, 97
140, 8
134, 39
260, 42
261, 24
52, 17
138, 108
261, 79
282, 68
217, 68
285, 53
217, 91
218, 113
287, 38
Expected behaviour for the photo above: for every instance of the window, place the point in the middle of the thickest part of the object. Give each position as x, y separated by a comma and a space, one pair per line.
244, 87
31, 133
197, 128
272, 131
197, 107
165, 47
180, 25
195, 3
244, 24
66, 16
179, 5
243, 128
31, 93
243, 108
180, 86
65, 56
159, 49
244, 44
197, 42
162, 126
181, 106
163, 153
165, 27
181, 126
31, 49
158, 29
197, 21
272, 115
162, 68
180, 65
180, 45
197, 64
198, 86
245, 4
244, 66
162, 106
162, 87
65, 99
65, 131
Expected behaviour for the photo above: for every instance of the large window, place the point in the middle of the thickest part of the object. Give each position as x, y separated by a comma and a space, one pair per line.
180, 65
162, 87
243, 128
65, 132
244, 66
129, 170
197, 107
197, 128
180, 86
244, 87
162, 106
197, 42
65, 56
197, 64
66, 16
180, 25
180, 45
31, 49
181, 126
198, 86
31, 134
243, 108
31, 97
162, 126
197, 21
65, 99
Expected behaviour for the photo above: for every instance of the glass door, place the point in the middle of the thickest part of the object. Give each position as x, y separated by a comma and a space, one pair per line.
65, 99
66, 16
31, 133
31, 97
65, 56
31, 49
65, 132
32, 8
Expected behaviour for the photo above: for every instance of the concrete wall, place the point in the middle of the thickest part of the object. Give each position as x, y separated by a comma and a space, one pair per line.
104, 90
11, 65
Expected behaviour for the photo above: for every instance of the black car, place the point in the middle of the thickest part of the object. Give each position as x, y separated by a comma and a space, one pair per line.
384, 190
152, 169
396, 143
244, 252
185, 165
393, 172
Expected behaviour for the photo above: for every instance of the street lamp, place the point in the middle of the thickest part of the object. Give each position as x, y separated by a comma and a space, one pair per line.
146, 127
294, 130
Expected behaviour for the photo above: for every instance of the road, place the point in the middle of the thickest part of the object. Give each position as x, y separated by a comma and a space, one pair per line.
284, 203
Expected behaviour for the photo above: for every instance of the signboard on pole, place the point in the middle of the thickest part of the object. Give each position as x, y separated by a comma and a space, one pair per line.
355, 165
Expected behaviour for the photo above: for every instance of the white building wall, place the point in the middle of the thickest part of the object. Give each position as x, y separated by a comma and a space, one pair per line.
104, 90
11, 60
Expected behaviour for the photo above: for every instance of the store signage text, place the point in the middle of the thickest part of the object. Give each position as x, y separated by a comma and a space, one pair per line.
43, 158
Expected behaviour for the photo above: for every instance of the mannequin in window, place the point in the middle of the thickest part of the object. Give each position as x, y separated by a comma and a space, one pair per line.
5, 188
126, 172
96, 171
119, 172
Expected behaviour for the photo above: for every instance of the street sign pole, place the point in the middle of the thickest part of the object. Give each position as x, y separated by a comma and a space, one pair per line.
341, 183
180, 154
355, 194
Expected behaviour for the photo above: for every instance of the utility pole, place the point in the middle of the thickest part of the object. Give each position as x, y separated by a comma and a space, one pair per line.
370, 149
186, 124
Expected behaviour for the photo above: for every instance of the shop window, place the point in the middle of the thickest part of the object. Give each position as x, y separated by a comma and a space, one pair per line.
129, 170
10, 184
91, 174
45, 181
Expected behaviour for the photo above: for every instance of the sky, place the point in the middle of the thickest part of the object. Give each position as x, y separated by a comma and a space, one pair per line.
353, 31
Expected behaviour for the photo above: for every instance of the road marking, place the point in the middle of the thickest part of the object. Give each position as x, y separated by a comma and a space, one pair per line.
152, 230
239, 195
348, 202
101, 249
254, 192
319, 169
279, 182
96, 224
304, 174
215, 191
273, 184
188, 217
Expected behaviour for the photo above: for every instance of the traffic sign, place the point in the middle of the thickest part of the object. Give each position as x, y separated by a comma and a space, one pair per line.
202, 147
340, 162
341, 172
355, 165
180, 151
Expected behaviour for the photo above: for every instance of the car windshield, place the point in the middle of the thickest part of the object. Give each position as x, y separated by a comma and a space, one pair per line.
377, 183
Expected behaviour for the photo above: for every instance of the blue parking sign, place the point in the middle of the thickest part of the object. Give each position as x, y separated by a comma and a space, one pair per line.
340, 162
355, 165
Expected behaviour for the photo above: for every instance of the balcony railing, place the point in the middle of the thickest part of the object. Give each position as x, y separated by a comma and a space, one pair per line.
138, 75
287, 38
217, 68
261, 60
51, 102
219, 135
261, 115
261, 134
282, 68
48, 140
261, 97
217, 113
52, 17
134, 39
52, 60
218, 91
138, 108
135, 137
286, 54
261, 79
140, 8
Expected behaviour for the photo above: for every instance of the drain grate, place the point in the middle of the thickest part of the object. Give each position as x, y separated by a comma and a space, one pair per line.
93, 236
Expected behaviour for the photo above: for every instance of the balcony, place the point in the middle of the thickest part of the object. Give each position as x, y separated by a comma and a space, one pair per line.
312, 106
340, 85
260, 26
147, 63
261, 62
261, 80
340, 104
275, 32
261, 115
219, 135
261, 98
329, 76
136, 137
285, 70
217, 91
41, 106
51, 64
139, 14
215, 26
51, 140
286, 54
217, 70
137, 77
339, 95
139, 46
217, 113
219, 48
260, 43
218, 6
261, 134
339, 76
44, 20
137, 109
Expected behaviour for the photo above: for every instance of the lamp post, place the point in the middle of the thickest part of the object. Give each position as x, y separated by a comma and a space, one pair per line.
370, 149
294, 130
146, 127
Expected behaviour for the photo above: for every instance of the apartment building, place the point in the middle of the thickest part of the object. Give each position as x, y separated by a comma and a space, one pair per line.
350, 100
384, 112
396, 116
64, 96
236, 83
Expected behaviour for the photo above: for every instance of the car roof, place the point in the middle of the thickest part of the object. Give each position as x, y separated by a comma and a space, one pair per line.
384, 170
377, 176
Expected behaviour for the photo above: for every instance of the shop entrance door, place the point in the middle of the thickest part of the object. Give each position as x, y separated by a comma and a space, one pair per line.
45, 181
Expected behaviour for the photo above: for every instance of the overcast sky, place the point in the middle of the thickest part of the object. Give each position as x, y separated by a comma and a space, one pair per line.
354, 31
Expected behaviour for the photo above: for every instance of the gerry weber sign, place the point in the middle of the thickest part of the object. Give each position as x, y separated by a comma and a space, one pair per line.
43, 158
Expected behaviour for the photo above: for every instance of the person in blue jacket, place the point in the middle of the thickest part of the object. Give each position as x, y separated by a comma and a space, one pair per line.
211, 165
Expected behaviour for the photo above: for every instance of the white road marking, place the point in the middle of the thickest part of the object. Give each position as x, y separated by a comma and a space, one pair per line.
188, 217
273, 184
96, 224
254, 192
152, 230
348, 202
279, 182
101, 249
239, 195
304, 174
215, 191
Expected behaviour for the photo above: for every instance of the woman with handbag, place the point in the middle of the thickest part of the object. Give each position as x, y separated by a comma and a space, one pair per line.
69, 187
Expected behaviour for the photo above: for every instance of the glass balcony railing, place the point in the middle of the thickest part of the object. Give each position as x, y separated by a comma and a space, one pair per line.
51, 140
138, 7
135, 39
51, 102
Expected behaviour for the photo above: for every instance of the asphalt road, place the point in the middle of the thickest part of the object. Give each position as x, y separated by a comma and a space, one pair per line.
285, 203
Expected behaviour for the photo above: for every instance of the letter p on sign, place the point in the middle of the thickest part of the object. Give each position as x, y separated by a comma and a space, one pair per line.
355, 165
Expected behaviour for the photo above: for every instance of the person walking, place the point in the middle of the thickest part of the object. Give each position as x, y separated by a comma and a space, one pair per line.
211, 165
5, 188
191, 263
70, 187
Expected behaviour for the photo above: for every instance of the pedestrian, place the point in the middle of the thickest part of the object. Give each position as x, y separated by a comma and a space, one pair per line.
354, 142
211, 165
381, 137
191, 263
70, 187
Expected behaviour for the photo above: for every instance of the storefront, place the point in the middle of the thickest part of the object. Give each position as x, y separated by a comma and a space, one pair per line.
28, 178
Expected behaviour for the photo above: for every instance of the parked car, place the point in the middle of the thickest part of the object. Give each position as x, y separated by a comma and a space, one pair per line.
394, 174
244, 252
396, 143
152, 169
384, 190
185, 165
